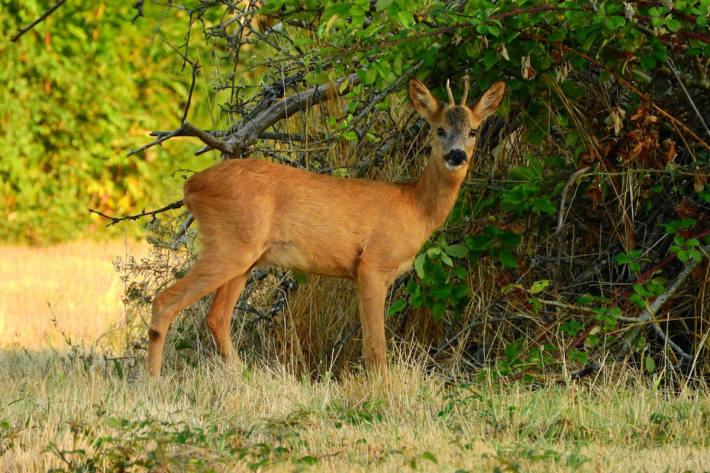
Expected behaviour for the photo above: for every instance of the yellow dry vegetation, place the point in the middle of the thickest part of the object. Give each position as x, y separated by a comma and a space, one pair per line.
79, 416
47, 293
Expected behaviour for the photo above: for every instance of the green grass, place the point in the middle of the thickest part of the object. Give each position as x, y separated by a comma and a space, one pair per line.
84, 414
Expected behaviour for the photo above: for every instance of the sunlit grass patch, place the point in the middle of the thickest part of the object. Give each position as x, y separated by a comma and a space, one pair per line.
49, 295
59, 413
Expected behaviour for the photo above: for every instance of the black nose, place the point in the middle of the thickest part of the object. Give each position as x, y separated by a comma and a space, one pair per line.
455, 157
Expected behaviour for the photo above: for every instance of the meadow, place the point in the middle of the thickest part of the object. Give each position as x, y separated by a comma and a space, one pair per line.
80, 408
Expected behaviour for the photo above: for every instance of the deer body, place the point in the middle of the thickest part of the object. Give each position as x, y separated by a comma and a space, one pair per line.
253, 213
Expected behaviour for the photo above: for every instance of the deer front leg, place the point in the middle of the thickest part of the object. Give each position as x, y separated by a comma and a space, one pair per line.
372, 291
208, 274
220, 316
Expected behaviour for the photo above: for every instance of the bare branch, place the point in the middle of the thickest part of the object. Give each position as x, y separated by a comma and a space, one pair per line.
649, 315
138, 7
247, 135
239, 140
195, 70
210, 140
687, 96
114, 220
37, 21
188, 129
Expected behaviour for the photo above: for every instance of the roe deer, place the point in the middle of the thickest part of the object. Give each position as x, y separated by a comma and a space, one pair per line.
253, 212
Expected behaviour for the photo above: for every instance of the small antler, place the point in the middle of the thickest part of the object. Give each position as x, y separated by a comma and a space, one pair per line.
465, 91
451, 95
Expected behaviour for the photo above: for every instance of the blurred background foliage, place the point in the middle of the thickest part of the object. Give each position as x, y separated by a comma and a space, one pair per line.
78, 92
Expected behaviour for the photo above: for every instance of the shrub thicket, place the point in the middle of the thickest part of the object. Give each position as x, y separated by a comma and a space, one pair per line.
582, 230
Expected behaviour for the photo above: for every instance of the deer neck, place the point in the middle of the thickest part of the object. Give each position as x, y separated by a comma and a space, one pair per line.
435, 192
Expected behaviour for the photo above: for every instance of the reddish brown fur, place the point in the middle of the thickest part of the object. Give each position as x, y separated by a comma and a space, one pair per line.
254, 213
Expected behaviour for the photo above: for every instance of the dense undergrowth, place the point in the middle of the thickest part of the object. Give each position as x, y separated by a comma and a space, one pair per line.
581, 233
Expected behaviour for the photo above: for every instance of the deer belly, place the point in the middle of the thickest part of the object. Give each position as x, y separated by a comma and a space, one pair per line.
293, 256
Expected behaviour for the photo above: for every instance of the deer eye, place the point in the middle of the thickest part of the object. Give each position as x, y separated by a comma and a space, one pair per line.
441, 132
472, 133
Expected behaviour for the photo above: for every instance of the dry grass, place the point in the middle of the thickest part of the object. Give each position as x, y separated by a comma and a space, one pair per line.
73, 283
83, 412
232, 418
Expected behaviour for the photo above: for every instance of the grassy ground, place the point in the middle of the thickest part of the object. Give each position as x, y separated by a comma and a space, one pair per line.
79, 416
74, 411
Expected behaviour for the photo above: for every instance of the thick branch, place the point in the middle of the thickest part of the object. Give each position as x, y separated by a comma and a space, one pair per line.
249, 133
237, 141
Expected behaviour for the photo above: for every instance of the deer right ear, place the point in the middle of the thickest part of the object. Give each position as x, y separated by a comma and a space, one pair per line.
423, 101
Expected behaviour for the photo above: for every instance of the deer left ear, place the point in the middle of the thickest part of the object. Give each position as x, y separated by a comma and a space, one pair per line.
422, 99
489, 101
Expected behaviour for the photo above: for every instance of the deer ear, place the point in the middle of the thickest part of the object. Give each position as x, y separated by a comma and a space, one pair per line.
423, 101
489, 101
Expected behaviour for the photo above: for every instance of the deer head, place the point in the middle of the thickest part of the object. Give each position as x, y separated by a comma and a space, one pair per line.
456, 126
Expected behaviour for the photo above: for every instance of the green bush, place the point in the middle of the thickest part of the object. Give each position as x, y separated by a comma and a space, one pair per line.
80, 90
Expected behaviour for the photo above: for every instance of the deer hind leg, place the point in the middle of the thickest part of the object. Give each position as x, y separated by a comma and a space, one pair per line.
372, 290
208, 274
220, 316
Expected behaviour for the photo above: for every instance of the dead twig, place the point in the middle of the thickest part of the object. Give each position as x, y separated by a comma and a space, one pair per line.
687, 95
649, 315
114, 220
239, 140
37, 21
561, 214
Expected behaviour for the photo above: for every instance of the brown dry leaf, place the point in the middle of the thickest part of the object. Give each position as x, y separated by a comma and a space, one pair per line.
503, 52
617, 119
594, 192
526, 70
700, 274
699, 181
504, 278
685, 209
671, 153
648, 119
638, 114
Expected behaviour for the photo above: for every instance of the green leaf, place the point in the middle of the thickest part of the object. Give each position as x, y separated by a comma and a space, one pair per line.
307, 460
457, 251
446, 259
539, 286
441, 292
507, 258
622, 258
350, 135
438, 310
396, 306
650, 364
673, 24
405, 18
648, 62
419, 265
